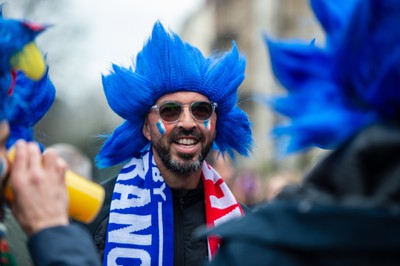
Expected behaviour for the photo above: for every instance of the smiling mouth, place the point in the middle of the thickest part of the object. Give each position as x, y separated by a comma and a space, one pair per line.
188, 142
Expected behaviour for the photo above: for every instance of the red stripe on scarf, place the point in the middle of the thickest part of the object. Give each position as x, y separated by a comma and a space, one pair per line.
216, 187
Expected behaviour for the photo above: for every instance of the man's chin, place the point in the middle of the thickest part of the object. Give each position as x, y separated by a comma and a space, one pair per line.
185, 167
185, 157
186, 163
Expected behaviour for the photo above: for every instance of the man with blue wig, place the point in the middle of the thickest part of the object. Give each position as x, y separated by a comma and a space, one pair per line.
176, 104
343, 96
40, 199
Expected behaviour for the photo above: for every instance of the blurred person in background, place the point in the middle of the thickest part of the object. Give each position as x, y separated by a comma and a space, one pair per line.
248, 187
342, 96
222, 164
40, 200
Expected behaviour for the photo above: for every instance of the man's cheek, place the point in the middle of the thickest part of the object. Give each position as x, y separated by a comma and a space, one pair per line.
209, 125
164, 127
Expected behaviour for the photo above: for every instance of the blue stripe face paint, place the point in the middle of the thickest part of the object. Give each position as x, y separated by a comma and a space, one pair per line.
161, 127
207, 124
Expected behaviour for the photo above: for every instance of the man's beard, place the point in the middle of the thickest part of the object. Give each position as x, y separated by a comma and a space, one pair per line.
186, 164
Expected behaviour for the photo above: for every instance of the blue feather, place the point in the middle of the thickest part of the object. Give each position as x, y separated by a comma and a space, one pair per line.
336, 90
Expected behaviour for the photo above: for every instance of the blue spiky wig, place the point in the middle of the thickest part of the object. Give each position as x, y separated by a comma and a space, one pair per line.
335, 90
32, 100
23, 102
166, 65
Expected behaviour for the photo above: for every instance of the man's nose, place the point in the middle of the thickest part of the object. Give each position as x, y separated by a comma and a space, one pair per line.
186, 120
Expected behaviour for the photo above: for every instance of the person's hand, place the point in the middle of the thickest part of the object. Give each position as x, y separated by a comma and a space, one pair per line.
38, 183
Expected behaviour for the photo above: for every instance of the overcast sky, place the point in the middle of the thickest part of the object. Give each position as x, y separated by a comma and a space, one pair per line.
118, 28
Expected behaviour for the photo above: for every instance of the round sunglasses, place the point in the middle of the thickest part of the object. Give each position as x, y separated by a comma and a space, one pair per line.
171, 112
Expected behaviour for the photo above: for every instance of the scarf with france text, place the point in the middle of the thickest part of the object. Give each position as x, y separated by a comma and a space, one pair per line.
141, 226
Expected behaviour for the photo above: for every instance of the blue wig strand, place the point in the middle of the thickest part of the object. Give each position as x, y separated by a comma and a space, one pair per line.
336, 90
166, 65
32, 101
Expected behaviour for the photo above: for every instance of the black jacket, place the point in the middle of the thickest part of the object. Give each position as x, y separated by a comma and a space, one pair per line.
189, 214
347, 212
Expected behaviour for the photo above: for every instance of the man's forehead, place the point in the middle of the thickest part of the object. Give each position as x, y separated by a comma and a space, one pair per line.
183, 96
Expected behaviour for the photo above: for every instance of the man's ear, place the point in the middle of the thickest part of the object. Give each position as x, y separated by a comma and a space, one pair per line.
146, 129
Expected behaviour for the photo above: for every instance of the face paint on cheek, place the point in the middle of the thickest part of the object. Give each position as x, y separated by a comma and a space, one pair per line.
161, 127
207, 124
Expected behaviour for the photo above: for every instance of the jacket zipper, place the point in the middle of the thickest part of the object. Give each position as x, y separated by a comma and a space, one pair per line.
179, 245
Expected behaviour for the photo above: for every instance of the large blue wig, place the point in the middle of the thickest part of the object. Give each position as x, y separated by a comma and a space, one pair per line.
166, 65
22, 101
336, 90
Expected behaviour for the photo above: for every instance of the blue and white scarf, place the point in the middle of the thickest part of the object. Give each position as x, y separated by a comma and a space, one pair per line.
141, 226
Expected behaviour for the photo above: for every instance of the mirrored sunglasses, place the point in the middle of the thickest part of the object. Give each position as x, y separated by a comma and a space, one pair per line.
171, 112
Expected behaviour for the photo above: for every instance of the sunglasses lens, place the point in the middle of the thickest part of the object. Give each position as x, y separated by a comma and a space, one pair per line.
170, 112
202, 110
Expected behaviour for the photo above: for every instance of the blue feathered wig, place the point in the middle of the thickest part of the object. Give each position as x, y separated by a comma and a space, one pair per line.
166, 65
26, 106
31, 101
335, 90
22, 101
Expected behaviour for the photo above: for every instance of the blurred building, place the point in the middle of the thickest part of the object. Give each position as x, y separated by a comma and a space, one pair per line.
219, 22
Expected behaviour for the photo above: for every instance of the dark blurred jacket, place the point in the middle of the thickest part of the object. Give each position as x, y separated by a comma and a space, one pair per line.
346, 212
63, 245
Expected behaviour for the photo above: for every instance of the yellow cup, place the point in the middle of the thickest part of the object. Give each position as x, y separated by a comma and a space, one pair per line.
85, 196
